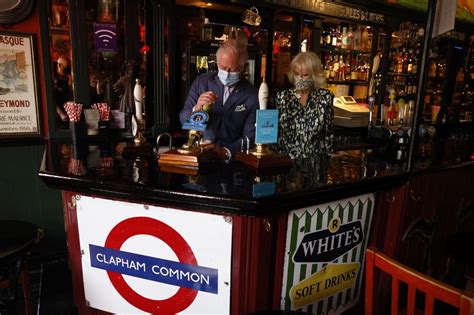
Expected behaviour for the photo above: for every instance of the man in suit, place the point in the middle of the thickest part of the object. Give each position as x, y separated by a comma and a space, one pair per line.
233, 98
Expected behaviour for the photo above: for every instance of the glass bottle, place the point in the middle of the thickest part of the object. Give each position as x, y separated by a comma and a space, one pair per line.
441, 69
347, 69
399, 68
106, 11
327, 61
350, 36
334, 68
356, 39
341, 72
364, 39
415, 61
206, 31
326, 36
393, 61
355, 69
344, 38
334, 35
405, 61
410, 62
339, 37
432, 69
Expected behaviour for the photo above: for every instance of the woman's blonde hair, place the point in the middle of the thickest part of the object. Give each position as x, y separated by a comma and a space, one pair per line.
310, 63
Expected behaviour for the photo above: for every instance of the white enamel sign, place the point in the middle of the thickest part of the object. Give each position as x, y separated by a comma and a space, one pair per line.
142, 259
325, 246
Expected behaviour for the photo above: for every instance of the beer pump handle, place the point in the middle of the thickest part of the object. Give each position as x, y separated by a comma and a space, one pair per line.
138, 97
371, 109
263, 95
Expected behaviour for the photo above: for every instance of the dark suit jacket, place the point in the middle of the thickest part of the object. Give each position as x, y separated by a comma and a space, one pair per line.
229, 123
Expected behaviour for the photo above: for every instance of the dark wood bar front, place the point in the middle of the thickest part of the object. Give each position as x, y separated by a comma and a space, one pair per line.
259, 208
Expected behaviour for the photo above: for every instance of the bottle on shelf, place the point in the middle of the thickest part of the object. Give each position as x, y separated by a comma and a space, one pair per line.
364, 73
206, 31
339, 37
355, 69
441, 68
357, 38
334, 36
326, 36
326, 66
347, 69
404, 60
393, 61
350, 36
415, 62
344, 38
410, 61
364, 39
399, 67
334, 68
340, 75
432, 69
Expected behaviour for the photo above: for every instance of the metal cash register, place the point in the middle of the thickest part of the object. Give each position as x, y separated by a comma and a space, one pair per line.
348, 113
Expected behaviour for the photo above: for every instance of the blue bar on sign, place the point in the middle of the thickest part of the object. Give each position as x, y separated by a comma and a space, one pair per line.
155, 269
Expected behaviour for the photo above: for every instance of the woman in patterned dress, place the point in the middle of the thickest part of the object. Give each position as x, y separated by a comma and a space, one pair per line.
305, 111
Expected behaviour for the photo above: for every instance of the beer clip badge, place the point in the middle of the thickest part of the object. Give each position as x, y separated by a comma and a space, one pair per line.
197, 121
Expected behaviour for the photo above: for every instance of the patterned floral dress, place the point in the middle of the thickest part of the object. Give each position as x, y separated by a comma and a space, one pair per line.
305, 131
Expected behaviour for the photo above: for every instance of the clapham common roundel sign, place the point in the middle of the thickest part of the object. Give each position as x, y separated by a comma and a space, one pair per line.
136, 273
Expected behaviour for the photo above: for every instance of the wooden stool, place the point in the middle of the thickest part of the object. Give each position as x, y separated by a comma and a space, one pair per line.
16, 239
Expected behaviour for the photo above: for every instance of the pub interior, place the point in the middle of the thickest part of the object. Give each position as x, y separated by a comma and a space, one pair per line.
100, 176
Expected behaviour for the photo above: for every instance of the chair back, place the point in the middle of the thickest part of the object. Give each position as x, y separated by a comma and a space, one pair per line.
416, 281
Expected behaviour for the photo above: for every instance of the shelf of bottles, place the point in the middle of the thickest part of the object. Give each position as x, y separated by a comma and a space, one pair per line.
450, 60
346, 55
463, 95
403, 73
437, 65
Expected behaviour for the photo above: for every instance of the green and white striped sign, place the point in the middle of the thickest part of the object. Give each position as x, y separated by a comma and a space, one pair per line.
325, 251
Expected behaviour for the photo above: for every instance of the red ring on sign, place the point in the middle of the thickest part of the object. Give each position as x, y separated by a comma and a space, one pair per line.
148, 226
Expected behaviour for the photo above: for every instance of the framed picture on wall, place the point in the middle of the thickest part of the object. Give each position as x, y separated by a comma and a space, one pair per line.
19, 95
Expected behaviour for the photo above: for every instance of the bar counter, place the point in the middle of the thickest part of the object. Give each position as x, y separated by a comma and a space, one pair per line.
267, 216
100, 169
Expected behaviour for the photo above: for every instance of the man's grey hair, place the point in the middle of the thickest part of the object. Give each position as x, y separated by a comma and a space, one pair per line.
231, 48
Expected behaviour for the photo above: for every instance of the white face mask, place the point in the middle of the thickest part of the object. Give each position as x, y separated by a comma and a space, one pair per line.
228, 78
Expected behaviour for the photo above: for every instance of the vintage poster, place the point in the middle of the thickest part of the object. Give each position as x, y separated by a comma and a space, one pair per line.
140, 259
18, 91
325, 246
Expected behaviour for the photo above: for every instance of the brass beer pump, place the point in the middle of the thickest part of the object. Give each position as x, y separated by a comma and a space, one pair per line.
190, 154
262, 157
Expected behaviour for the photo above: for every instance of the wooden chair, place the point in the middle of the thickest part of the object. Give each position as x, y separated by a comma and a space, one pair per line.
416, 281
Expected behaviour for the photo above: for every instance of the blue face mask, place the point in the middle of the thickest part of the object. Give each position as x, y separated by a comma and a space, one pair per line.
228, 78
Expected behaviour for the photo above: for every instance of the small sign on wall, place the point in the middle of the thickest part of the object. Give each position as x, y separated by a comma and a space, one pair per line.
105, 37
139, 259
325, 246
